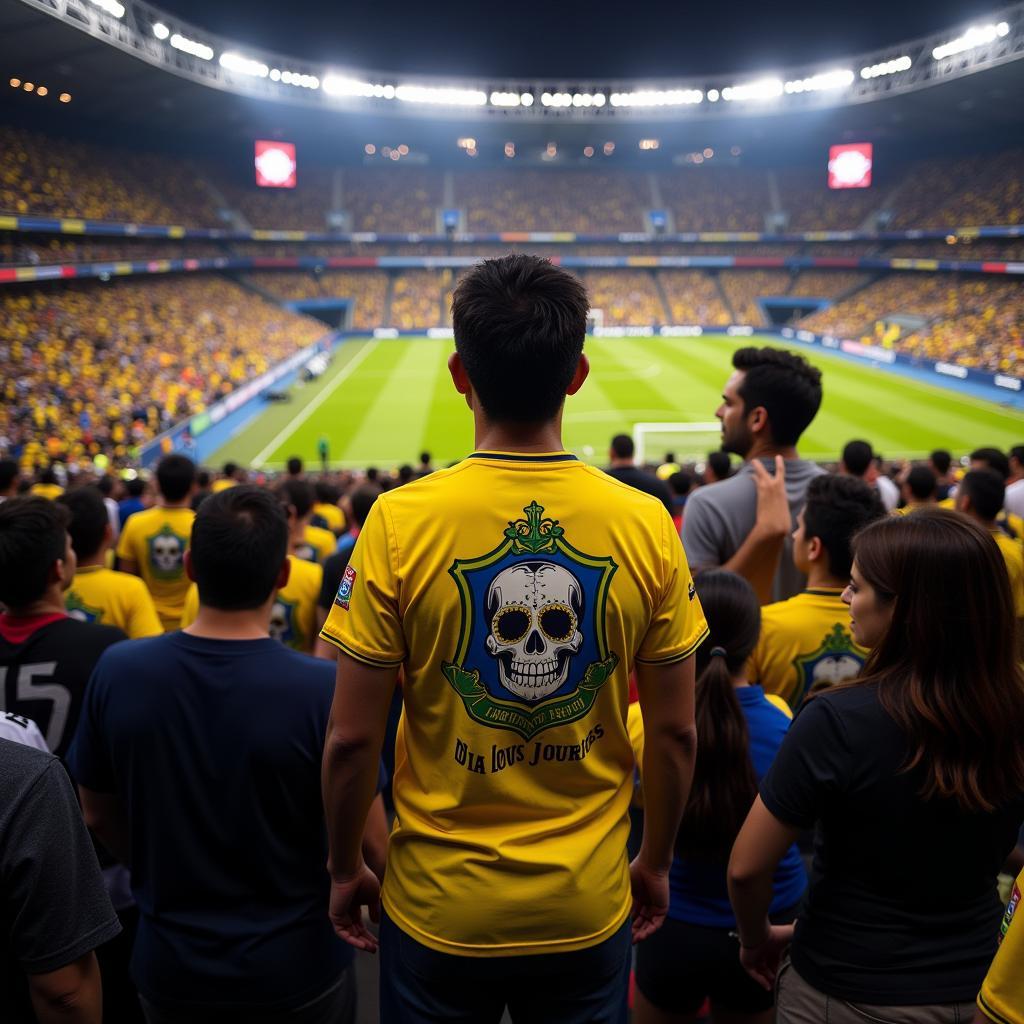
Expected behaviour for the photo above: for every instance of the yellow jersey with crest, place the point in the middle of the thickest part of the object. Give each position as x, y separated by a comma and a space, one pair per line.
805, 644
1013, 554
155, 539
317, 544
517, 592
293, 616
110, 598
1002, 992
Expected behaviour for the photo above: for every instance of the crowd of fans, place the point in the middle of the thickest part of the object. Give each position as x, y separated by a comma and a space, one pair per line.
693, 297
625, 296
101, 368
744, 287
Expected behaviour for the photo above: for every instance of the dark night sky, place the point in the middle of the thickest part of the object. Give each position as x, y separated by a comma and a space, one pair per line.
574, 39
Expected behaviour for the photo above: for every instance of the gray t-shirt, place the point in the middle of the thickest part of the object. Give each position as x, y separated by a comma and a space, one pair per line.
53, 906
719, 517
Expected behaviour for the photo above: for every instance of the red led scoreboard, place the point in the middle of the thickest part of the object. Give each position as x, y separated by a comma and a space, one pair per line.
849, 166
275, 164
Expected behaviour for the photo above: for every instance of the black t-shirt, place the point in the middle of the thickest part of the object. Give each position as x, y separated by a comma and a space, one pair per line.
902, 907
53, 906
44, 671
646, 482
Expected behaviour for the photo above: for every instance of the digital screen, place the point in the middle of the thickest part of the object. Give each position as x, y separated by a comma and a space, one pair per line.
275, 164
849, 166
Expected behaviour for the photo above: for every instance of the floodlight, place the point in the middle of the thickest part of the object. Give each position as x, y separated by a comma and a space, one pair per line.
112, 7
505, 99
240, 65
825, 80
762, 89
196, 49
42, 91
445, 95
887, 67
65, 97
713, 95
526, 99
160, 30
15, 83
976, 35
338, 85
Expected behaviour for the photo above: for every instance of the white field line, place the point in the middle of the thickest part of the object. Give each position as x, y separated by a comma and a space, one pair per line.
291, 427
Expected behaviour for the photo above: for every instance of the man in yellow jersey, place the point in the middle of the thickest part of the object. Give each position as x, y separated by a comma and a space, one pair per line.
316, 544
805, 642
516, 590
980, 495
992, 458
919, 489
327, 508
1001, 998
153, 542
99, 594
231, 476
47, 486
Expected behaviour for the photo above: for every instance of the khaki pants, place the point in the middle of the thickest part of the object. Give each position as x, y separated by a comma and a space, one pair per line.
796, 1002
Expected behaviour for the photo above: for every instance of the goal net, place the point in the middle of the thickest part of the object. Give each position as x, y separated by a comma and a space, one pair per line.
687, 442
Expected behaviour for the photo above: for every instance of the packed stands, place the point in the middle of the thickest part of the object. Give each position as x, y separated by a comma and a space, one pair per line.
36, 250
417, 299
693, 298
744, 287
303, 208
552, 200
811, 205
625, 297
366, 288
827, 284
396, 199
91, 366
716, 199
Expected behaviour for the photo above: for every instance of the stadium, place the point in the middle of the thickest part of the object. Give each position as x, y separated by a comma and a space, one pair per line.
234, 249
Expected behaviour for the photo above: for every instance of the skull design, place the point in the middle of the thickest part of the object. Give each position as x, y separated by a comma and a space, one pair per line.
836, 668
167, 554
280, 623
534, 610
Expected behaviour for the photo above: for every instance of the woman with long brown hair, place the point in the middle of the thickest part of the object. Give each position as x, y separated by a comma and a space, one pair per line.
692, 957
914, 777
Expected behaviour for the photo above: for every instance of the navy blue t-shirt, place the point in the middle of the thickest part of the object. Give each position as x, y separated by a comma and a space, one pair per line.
698, 892
214, 747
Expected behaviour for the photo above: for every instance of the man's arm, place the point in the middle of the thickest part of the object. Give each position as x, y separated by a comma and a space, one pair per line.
322, 649
105, 815
375, 837
69, 995
355, 735
670, 750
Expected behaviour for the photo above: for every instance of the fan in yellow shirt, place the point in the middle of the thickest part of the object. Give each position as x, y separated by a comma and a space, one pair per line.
805, 642
232, 477
326, 507
980, 496
153, 542
293, 617
47, 486
98, 594
317, 544
919, 489
1001, 998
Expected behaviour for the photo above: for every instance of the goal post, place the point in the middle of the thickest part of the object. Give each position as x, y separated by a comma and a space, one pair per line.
688, 442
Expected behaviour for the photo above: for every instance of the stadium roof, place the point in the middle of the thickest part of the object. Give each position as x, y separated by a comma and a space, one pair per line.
114, 87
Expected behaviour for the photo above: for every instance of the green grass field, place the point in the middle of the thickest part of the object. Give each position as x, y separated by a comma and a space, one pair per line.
381, 402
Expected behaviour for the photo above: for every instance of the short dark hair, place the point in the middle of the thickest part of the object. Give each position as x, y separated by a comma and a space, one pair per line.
89, 519
941, 460
784, 384
721, 464
994, 459
986, 490
362, 501
298, 494
623, 447
175, 475
519, 327
857, 457
294, 466
922, 483
8, 473
135, 487
230, 468
424, 458
837, 508
326, 492
681, 482
1017, 452
105, 485
239, 543
202, 480
33, 535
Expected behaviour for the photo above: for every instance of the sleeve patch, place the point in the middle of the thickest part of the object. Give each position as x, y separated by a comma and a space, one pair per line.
344, 595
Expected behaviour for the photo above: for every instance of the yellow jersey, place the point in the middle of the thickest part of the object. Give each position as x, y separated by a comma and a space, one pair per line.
155, 539
293, 617
331, 515
317, 545
517, 592
51, 491
110, 598
1002, 992
1013, 554
805, 643
223, 484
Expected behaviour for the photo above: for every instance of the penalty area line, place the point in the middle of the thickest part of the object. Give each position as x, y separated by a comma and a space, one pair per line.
343, 374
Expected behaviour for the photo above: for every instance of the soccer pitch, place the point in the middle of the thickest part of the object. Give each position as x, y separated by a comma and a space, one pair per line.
383, 401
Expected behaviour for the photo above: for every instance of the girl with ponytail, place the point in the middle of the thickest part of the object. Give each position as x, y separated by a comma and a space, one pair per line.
694, 956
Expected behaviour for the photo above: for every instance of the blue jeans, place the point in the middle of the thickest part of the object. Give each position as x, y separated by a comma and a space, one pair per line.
418, 985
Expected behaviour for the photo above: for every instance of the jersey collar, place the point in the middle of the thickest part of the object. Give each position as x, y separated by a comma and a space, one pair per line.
523, 457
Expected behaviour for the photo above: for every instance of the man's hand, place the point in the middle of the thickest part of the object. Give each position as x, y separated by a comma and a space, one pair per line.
650, 899
762, 962
348, 897
773, 516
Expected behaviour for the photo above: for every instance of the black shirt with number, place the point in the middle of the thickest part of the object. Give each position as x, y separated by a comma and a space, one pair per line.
43, 674
902, 908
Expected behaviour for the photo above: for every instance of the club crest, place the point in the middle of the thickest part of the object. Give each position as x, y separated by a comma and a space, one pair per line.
835, 661
167, 554
532, 649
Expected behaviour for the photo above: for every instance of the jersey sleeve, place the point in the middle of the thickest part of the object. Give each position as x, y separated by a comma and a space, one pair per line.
53, 899
125, 543
364, 620
143, 620
677, 626
1002, 992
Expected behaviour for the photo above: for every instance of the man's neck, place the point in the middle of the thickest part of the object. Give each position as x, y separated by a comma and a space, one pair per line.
51, 603
765, 449
622, 464
164, 503
819, 578
528, 438
100, 558
215, 624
